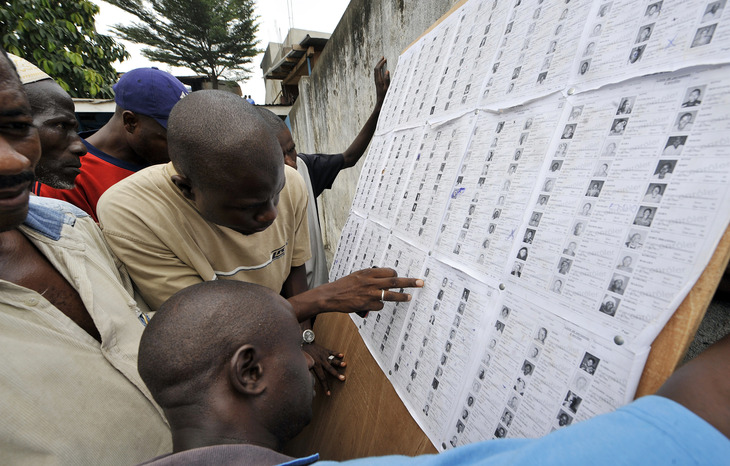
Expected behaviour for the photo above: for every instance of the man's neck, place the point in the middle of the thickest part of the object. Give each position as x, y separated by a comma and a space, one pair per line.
111, 140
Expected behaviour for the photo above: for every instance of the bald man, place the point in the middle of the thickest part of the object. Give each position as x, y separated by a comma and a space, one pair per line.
235, 387
53, 115
227, 208
69, 326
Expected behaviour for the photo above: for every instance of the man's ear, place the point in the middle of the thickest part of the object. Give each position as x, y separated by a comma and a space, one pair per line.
246, 372
130, 121
184, 185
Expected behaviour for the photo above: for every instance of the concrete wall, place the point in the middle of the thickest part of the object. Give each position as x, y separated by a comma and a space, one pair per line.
338, 97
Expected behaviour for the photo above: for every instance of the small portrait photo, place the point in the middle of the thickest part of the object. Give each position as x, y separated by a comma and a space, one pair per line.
625, 263
527, 368
609, 305
684, 121
541, 334
589, 363
594, 188
496, 213
494, 142
645, 216
564, 265
619, 126
459, 427
713, 11
520, 385
490, 155
586, 209
703, 36
585, 65
568, 131
491, 228
548, 185
507, 417
517, 269
551, 48
500, 125
529, 236
512, 169
609, 150
470, 400
570, 248
602, 169
618, 283
528, 123
508, 29
604, 9
541, 77
636, 53
500, 432
561, 150
557, 286
513, 402
546, 63
518, 153
654, 193
504, 313
635, 240
674, 145
556, 165
597, 30
564, 419
534, 352
590, 48
644, 33
693, 96
664, 169
581, 382
572, 401
542, 201
578, 228
626, 105
506, 185
653, 10
576, 112
465, 294
535, 219
516, 72
510, 88
522, 253
523, 138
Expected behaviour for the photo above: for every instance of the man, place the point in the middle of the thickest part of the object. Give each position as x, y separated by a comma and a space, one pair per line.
235, 387
69, 324
53, 115
227, 207
320, 170
134, 138
693, 99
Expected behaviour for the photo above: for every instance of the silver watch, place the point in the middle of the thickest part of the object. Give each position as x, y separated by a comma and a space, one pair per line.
308, 336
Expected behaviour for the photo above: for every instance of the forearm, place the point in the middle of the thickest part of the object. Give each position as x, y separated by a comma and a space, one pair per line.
358, 146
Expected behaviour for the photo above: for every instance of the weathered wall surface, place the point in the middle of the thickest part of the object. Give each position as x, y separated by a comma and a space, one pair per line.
336, 100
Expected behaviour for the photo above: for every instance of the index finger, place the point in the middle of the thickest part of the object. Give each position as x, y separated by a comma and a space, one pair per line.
401, 282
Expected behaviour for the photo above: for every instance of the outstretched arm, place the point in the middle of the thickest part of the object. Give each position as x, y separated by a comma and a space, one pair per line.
360, 291
358, 146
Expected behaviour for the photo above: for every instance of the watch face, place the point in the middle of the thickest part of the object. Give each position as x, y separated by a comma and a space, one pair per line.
308, 336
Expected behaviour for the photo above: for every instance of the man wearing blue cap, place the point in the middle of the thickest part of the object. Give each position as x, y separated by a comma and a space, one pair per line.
134, 138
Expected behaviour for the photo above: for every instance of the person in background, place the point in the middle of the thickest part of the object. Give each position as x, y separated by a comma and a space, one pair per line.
134, 138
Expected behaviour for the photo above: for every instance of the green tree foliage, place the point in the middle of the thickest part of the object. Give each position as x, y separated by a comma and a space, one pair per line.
60, 38
212, 37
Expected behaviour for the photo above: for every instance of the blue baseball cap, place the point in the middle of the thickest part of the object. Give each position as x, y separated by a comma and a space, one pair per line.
150, 92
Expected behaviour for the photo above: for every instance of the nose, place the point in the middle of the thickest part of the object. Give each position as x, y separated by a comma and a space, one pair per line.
310, 360
77, 147
267, 214
13, 162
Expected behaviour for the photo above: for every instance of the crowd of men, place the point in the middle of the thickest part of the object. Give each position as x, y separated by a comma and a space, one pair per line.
179, 327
